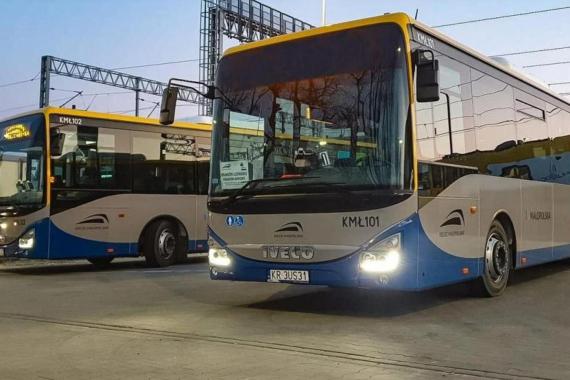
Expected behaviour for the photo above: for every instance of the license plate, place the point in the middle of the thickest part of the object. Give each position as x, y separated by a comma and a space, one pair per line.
286, 275
1, 252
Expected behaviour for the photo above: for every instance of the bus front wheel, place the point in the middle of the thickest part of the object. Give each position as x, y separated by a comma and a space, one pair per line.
497, 261
162, 244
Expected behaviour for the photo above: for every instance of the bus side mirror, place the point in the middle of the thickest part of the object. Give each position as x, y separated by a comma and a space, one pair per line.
168, 105
56, 144
427, 76
210, 93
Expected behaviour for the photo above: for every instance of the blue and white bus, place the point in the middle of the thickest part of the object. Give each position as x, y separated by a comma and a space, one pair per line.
383, 154
77, 184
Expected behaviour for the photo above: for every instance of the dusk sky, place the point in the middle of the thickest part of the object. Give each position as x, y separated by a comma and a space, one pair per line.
119, 33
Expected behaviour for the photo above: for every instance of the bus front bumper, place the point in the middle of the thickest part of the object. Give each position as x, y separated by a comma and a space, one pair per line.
31, 242
14, 251
347, 271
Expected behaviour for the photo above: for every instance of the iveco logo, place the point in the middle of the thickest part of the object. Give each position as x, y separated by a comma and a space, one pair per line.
288, 252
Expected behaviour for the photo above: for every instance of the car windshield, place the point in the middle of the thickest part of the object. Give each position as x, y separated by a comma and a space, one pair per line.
22, 144
322, 114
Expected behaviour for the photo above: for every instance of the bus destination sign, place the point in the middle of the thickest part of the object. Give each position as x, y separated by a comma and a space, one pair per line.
17, 132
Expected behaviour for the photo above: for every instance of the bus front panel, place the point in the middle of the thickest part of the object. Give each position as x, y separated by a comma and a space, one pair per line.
23, 214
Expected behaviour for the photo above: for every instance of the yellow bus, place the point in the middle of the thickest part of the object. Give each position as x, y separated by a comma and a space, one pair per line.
79, 184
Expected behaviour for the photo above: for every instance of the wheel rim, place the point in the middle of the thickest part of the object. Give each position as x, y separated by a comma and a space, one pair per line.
497, 257
166, 244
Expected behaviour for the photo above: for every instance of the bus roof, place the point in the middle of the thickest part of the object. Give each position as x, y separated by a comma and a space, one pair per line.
404, 21
108, 116
398, 18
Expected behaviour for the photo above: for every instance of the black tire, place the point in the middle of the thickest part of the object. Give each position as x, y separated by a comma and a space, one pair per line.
498, 262
101, 262
162, 244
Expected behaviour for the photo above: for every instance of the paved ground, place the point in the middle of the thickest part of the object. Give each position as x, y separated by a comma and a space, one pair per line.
71, 321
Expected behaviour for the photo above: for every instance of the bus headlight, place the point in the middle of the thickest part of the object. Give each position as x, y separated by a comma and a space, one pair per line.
218, 257
27, 240
383, 257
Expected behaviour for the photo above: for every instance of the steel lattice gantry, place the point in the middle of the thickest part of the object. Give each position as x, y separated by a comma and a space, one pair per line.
63, 67
243, 20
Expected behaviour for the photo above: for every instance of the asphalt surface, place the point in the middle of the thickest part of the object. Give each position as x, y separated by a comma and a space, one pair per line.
72, 321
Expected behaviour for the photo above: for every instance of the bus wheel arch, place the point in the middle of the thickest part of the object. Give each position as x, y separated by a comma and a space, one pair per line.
155, 241
498, 256
504, 218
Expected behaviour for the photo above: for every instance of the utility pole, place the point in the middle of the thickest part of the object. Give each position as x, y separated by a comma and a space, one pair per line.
137, 96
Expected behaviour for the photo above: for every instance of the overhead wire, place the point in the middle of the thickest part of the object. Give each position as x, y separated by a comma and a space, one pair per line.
531, 51
35, 77
502, 17
547, 64
28, 105
156, 64
558, 83
93, 93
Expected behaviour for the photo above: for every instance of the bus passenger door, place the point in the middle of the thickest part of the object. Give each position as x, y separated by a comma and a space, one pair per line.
91, 178
201, 229
533, 159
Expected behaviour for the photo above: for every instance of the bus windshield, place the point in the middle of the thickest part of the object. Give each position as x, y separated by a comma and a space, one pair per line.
327, 114
22, 158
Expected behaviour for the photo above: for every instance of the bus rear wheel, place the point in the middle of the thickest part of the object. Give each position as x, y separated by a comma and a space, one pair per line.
162, 244
100, 262
497, 261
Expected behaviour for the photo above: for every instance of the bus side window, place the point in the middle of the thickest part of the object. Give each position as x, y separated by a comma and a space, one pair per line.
165, 164
445, 128
435, 178
92, 158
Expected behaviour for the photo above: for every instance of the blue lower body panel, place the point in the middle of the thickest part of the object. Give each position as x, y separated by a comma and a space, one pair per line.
55, 244
422, 265
67, 246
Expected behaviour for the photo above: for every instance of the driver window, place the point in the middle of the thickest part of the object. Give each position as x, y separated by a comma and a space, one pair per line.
93, 158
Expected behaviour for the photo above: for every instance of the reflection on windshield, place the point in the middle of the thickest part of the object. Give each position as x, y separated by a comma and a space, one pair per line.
22, 161
338, 119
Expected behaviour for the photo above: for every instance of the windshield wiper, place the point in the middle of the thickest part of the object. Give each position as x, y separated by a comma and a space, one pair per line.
239, 194
249, 185
254, 183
